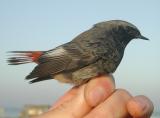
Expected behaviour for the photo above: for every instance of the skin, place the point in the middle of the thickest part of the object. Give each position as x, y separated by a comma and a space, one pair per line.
99, 99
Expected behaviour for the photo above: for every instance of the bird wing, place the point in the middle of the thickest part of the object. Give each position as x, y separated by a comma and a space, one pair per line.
64, 58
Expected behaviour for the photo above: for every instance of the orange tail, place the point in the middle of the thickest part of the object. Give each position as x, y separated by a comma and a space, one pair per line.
22, 57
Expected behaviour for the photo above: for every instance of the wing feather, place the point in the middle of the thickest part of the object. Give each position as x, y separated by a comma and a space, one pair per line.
53, 65
66, 58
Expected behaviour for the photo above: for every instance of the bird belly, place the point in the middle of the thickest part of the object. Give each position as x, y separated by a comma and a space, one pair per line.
79, 76
63, 78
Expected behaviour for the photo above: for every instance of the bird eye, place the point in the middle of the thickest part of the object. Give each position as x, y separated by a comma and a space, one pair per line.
132, 31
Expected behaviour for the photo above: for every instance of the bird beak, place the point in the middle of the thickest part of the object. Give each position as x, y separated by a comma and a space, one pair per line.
142, 37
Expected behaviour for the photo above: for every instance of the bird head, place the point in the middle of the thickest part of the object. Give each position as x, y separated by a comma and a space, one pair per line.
131, 30
121, 30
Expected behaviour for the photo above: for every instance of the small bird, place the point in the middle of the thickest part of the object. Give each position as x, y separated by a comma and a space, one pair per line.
94, 52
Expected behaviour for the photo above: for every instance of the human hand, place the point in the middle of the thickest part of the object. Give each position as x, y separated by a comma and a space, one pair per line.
99, 99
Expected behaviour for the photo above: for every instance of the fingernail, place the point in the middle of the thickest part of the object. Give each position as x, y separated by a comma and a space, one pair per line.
97, 95
141, 102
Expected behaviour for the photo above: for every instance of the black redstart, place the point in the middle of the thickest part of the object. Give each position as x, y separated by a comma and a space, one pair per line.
96, 51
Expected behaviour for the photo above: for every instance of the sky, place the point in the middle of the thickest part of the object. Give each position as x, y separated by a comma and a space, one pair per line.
45, 24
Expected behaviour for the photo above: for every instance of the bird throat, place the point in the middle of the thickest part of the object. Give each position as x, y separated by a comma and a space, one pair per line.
123, 41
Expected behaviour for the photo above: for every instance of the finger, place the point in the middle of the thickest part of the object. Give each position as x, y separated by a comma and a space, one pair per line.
113, 107
103, 82
140, 107
99, 89
77, 106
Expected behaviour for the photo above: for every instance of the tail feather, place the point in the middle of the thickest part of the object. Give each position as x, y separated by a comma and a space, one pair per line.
23, 57
17, 61
39, 79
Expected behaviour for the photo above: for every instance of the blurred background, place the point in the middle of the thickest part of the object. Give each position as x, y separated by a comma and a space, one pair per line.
45, 24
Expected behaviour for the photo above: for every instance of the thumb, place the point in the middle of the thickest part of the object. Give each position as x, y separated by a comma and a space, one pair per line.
82, 102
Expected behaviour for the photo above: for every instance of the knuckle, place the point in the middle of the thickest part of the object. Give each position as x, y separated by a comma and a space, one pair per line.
123, 92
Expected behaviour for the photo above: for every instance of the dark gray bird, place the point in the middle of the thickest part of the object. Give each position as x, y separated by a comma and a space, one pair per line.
96, 51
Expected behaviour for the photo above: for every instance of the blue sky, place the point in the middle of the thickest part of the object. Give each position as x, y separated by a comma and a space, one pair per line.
45, 24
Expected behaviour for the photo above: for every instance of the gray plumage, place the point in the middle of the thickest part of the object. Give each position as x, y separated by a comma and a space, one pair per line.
96, 51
